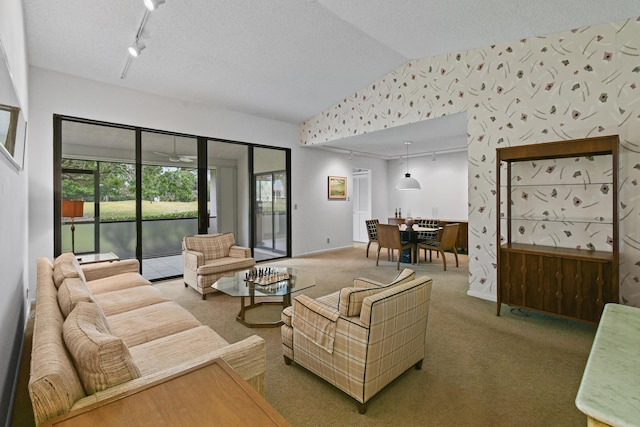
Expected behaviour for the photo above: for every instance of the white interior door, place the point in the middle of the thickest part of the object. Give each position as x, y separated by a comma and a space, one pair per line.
361, 203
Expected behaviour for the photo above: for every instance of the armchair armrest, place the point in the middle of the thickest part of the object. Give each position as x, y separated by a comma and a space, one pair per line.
362, 282
316, 321
107, 269
239, 252
192, 259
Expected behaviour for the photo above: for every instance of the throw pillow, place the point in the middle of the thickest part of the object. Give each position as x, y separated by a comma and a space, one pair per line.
66, 265
72, 291
101, 359
350, 303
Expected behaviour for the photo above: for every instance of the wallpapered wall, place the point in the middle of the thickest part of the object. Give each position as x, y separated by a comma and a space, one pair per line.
575, 84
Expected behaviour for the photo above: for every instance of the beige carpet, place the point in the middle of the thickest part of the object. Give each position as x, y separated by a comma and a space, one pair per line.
519, 369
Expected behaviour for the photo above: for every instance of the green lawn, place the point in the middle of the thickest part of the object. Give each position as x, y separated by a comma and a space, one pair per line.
126, 210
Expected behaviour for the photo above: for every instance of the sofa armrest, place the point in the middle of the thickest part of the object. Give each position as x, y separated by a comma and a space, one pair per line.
239, 252
192, 259
247, 357
101, 270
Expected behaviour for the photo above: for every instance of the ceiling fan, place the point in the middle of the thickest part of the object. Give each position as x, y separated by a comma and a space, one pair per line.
175, 157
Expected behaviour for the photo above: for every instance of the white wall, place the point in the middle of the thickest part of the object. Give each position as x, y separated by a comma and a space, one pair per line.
314, 217
444, 185
13, 219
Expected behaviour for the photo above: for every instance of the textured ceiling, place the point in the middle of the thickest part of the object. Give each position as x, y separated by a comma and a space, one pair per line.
281, 59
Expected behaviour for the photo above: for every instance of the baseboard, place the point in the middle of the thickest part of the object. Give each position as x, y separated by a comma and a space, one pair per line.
481, 295
324, 251
17, 359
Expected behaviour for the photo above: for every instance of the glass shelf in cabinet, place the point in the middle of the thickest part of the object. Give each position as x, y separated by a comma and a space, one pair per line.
564, 184
598, 220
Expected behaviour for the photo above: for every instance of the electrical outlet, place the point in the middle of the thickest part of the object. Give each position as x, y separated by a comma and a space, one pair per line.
328, 240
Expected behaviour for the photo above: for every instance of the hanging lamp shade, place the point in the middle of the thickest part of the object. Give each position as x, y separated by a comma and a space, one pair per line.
408, 183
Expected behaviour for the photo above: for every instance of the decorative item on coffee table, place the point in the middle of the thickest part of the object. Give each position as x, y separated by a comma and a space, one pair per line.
266, 276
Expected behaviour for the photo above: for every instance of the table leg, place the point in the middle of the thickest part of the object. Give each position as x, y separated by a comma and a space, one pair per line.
244, 308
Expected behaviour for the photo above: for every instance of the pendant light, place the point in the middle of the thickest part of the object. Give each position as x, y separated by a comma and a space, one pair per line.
407, 183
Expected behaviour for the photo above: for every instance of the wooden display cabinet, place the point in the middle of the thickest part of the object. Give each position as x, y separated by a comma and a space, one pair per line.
534, 270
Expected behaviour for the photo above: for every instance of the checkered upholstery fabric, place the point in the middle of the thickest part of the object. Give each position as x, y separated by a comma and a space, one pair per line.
372, 230
404, 276
427, 223
211, 245
369, 350
316, 321
208, 257
351, 300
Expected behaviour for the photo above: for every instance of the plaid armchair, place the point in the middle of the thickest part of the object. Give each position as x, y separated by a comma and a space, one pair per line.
360, 338
208, 257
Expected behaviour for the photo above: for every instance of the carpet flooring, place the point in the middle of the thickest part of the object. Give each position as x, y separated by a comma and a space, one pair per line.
518, 369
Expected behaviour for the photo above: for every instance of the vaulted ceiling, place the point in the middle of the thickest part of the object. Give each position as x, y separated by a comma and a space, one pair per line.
281, 59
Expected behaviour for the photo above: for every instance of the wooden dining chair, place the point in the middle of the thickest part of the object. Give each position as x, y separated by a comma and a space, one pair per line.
372, 232
389, 237
446, 242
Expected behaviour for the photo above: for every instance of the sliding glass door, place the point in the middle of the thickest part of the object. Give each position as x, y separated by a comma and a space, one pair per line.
143, 190
271, 204
169, 201
97, 164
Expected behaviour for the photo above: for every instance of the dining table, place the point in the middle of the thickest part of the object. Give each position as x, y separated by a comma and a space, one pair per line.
410, 234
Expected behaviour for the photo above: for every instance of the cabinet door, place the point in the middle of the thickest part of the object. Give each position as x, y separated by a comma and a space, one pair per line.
569, 287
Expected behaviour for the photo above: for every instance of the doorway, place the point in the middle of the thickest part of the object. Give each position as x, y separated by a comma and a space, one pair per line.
361, 203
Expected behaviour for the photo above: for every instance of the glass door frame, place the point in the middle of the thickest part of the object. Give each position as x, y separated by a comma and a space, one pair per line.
96, 203
254, 203
203, 214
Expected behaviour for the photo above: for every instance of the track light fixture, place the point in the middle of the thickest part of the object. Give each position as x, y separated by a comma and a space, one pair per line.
153, 4
135, 49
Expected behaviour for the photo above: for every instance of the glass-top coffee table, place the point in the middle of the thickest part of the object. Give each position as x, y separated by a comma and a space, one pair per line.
264, 281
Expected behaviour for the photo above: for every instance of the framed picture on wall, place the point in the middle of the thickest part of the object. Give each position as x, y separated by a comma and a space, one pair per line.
13, 127
337, 187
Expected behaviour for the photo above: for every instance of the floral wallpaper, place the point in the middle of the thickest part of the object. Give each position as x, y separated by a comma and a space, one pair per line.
575, 84
561, 202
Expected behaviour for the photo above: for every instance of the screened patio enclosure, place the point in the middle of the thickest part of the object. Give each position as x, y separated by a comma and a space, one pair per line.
144, 190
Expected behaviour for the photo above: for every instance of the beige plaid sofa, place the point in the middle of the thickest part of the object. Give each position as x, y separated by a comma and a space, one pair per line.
208, 257
362, 337
102, 330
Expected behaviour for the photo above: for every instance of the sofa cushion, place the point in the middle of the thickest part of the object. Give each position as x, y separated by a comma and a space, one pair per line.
128, 299
72, 291
117, 282
101, 359
151, 322
176, 349
211, 245
66, 265
350, 303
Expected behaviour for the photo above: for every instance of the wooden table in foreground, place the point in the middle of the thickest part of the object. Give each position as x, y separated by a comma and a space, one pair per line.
211, 394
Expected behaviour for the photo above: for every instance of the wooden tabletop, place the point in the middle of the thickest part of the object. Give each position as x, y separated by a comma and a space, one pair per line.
211, 394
